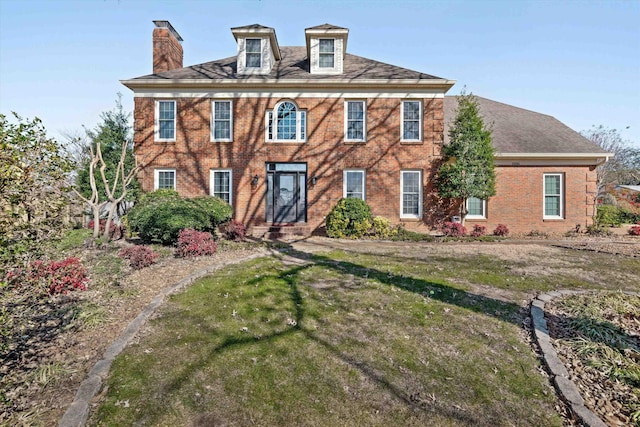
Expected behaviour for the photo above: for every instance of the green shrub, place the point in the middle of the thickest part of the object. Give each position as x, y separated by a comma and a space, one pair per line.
350, 217
382, 228
159, 216
628, 217
608, 215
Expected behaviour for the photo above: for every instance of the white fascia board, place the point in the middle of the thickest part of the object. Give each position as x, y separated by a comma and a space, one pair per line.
226, 93
443, 84
548, 155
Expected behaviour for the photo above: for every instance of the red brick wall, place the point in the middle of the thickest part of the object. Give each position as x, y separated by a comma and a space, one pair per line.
518, 203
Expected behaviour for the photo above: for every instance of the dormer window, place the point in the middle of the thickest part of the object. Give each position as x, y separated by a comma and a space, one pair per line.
286, 123
254, 53
327, 53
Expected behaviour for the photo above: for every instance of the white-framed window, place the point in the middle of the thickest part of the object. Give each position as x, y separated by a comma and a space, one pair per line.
286, 123
221, 121
253, 52
164, 179
553, 196
411, 123
327, 49
355, 121
476, 208
410, 194
221, 184
354, 184
165, 123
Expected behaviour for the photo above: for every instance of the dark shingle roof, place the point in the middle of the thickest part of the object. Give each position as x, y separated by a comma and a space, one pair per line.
252, 27
326, 27
516, 130
293, 65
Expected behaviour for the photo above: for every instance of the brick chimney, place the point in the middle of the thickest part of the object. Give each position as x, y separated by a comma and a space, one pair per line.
167, 47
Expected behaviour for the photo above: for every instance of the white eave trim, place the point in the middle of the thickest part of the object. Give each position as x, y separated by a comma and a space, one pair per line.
297, 83
534, 159
499, 155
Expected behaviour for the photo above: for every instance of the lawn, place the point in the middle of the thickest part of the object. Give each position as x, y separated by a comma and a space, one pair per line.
343, 338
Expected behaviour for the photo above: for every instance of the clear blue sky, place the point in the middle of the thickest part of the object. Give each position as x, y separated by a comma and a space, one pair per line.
578, 61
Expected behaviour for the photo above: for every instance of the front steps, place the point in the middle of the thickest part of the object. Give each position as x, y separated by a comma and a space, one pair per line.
282, 231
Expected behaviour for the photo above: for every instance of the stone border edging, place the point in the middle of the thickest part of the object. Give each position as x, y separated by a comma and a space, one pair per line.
78, 411
567, 388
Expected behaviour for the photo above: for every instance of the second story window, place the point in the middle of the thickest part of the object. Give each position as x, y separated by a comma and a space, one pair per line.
286, 123
327, 53
411, 125
253, 50
222, 125
166, 120
355, 121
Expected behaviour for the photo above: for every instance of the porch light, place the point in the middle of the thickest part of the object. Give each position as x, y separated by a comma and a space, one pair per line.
254, 181
314, 179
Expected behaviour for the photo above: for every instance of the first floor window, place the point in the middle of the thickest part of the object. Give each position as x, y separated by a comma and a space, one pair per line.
553, 195
410, 194
221, 183
166, 120
355, 112
354, 184
476, 208
222, 120
164, 179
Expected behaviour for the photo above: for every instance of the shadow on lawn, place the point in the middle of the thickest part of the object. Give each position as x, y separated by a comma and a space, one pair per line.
501, 310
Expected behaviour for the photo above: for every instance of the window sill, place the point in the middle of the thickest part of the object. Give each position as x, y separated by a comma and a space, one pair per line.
411, 142
353, 142
286, 142
410, 219
553, 219
222, 141
163, 141
472, 218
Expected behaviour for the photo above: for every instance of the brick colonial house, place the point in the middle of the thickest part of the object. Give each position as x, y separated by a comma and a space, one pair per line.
282, 133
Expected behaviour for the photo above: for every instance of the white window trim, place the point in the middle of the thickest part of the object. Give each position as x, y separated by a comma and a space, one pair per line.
246, 52
484, 210
212, 182
364, 182
420, 124
156, 124
346, 120
213, 121
156, 178
403, 215
327, 53
544, 196
274, 117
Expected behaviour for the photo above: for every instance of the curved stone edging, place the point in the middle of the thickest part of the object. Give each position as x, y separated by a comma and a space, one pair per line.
77, 413
567, 388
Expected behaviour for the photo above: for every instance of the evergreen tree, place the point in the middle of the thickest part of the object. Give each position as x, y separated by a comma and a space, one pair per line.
468, 167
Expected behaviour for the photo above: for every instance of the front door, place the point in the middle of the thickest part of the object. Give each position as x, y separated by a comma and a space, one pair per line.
286, 192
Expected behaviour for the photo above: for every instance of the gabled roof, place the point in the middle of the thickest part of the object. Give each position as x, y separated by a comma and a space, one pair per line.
520, 131
294, 68
252, 27
326, 27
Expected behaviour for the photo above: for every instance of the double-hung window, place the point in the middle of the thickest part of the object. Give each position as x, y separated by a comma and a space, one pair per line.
286, 123
411, 124
164, 179
327, 53
222, 121
165, 121
355, 121
553, 197
410, 194
476, 208
253, 52
354, 184
221, 183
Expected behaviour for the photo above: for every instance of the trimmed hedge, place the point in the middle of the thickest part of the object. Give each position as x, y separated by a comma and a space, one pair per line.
159, 216
350, 217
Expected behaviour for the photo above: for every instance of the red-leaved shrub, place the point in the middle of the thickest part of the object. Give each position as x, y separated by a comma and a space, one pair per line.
235, 230
635, 230
195, 243
52, 277
117, 231
478, 230
454, 229
139, 256
501, 230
